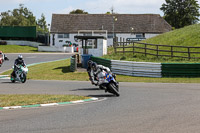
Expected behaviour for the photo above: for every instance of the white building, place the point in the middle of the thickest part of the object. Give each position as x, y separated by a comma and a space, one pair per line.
65, 26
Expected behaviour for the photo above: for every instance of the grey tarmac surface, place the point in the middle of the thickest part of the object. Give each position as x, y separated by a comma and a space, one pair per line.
141, 108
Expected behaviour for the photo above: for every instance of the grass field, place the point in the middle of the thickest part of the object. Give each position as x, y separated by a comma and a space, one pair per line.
17, 49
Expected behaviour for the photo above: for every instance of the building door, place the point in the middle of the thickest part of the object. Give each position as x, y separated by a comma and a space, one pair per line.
53, 39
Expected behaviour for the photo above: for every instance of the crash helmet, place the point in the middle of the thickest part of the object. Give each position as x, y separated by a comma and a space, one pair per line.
94, 66
89, 63
20, 57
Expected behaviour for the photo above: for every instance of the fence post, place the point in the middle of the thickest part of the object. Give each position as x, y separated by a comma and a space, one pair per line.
133, 48
189, 53
157, 50
123, 46
145, 50
171, 51
120, 41
115, 44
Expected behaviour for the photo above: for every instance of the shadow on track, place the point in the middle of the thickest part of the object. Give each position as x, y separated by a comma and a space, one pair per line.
102, 95
86, 89
11, 82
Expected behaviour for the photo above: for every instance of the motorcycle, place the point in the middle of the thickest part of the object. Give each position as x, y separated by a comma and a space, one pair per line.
20, 74
2, 59
108, 82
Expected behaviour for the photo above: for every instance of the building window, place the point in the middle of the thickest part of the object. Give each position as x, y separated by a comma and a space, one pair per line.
87, 34
66, 35
60, 40
110, 35
60, 36
139, 36
92, 44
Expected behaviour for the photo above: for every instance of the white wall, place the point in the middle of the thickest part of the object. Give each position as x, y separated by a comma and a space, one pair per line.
100, 50
56, 49
109, 40
60, 44
23, 43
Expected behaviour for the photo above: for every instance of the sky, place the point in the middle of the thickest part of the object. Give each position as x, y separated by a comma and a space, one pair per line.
49, 7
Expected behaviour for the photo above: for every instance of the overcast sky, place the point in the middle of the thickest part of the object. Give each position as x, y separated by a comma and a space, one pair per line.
48, 7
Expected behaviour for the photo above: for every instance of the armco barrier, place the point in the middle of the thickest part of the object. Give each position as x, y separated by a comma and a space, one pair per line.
180, 69
141, 69
149, 69
101, 61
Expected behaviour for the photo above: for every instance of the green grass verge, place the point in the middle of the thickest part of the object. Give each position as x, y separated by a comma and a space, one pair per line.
59, 70
27, 99
17, 49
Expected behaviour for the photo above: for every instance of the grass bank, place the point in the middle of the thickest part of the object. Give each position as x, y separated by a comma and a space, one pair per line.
187, 36
22, 100
17, 49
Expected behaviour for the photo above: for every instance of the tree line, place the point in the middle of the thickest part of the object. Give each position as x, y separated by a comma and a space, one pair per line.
178, 13
22, 16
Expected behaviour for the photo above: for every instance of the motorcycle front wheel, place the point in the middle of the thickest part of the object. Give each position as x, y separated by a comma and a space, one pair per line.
23, 78
113, 89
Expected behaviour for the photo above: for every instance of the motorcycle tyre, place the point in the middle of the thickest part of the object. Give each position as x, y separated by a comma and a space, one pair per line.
101, 88
113, 89
24, 78
11, 76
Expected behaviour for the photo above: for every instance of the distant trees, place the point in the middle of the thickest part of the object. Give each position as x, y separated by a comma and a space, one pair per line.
42, 24
22, 16
78, 11
180, 13
18, 17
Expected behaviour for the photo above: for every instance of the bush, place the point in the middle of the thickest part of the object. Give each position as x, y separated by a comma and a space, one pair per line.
123, 58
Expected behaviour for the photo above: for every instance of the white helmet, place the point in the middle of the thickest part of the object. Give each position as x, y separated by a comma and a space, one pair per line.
20, 57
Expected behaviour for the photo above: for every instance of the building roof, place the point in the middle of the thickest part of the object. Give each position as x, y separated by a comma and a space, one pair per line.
142, 23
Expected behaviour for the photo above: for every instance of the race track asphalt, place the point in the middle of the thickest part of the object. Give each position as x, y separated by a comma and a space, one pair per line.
141, 108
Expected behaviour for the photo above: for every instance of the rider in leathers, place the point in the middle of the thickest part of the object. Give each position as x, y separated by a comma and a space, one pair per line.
18, 61
96, 69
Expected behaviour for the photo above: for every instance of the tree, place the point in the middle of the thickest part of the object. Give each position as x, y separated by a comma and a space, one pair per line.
78, 11
18, 17
180, 13
42, 24
22, 16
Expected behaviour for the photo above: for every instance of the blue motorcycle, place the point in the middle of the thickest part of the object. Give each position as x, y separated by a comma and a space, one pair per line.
108, 82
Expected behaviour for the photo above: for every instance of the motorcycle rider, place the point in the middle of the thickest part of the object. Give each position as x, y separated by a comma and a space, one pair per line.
96, 69
89, 70
18, 61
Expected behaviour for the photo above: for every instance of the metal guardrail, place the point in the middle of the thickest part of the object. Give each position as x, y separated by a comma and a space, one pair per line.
101, 61
142, 69
180, 69
149, 69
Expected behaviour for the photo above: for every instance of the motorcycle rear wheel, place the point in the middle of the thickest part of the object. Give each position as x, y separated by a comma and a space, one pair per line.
12, 78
